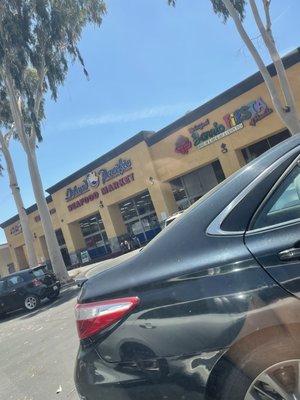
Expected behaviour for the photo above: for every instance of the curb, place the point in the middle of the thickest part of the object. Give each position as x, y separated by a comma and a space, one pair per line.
68, 284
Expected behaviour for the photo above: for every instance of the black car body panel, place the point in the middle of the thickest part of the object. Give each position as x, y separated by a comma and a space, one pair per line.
200, 293
12, 296
152, 379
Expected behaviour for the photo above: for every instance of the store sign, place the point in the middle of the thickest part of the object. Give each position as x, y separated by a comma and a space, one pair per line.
85, 257
183, 145
96, 178
91, 181
117, 184
217, 132
37, 218
119, 169
84, 200
16, 229
252, 112
199, 126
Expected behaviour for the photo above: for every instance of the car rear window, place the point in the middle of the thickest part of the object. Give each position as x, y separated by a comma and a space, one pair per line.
40, 272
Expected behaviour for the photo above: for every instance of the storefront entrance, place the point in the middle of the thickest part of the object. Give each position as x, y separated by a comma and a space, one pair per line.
258, 148
63, 248
139, 217
190, 187
95, 237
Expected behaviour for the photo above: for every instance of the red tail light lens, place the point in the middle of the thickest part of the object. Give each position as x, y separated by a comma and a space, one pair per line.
36, 282
92, 318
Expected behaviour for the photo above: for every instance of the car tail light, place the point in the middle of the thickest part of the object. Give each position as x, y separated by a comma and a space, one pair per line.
92, 318
37, 282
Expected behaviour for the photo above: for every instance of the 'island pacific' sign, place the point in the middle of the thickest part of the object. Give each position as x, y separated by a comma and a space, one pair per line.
96, 178
252, 112
119, 169
84, 200
91, 181
117, 184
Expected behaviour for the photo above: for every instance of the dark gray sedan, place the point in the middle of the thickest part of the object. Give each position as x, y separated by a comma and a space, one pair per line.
210, 309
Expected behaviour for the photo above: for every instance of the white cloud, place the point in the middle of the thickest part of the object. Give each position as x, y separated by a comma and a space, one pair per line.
114, 118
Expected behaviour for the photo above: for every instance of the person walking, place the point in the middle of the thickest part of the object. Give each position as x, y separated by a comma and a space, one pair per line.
136, 244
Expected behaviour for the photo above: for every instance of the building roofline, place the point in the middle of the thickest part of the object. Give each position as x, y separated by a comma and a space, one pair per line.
235, 91
28, 210
151, 137
133, 141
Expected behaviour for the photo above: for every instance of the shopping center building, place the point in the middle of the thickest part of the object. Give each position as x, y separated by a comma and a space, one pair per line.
133, 188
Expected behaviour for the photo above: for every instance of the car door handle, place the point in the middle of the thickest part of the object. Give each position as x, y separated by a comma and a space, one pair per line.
289, 254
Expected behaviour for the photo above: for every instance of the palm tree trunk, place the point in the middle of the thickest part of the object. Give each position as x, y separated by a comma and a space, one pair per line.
13, 183
291, 113
287, 120
56, 259
51, 240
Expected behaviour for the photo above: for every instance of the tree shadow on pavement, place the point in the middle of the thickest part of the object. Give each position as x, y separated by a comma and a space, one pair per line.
66, 294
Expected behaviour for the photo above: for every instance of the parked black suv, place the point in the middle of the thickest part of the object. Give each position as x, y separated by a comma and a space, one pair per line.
210, 309
26, 288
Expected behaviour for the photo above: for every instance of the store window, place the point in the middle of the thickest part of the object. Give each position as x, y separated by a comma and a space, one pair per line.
190, 187
95, 237
256, 149
140, 218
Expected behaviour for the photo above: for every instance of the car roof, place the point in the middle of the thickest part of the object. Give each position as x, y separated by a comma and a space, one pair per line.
21, 272
166, 252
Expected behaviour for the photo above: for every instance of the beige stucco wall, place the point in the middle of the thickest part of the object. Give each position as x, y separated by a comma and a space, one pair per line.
153, 167
145, 177
15, 238
169, 164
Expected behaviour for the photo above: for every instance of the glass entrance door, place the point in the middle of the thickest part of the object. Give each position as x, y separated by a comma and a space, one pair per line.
190, 187
63, 248
95, 236
140, 217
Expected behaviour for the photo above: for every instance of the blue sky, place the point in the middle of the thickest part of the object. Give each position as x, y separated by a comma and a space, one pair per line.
149, 64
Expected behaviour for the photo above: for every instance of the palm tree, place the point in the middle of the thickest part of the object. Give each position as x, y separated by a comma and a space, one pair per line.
7, 125
283, 98
40, 38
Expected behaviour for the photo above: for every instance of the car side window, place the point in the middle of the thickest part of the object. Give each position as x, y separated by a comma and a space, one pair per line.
284, 203
14, 280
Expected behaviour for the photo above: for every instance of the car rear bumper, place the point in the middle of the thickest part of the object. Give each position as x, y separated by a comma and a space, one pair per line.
155, 379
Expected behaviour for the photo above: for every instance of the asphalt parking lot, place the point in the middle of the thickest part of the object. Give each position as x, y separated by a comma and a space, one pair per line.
37, 351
